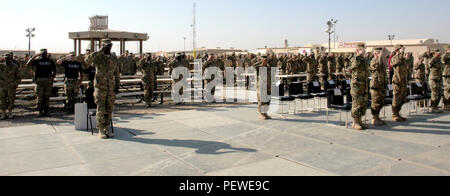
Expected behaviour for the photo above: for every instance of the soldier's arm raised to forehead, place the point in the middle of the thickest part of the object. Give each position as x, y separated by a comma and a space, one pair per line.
91, 58
397, 60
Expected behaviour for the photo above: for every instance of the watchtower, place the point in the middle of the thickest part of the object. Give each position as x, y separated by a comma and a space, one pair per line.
98, 23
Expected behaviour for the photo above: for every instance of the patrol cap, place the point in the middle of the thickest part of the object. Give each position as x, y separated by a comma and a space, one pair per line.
88, 50
361, 45
378, 49
398, 46
72, 54
43, 50
434, 50
106, 42
7, 55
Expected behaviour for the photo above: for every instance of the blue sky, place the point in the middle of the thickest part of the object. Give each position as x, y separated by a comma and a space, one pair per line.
247, 24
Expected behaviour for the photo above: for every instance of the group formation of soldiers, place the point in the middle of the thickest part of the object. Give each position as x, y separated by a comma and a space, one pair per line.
103, 69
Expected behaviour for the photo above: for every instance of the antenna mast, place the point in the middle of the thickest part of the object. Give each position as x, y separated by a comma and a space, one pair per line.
194, 30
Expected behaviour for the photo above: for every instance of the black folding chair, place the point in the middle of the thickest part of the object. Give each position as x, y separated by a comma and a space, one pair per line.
296, 90
281, 98
336, 101
314, 89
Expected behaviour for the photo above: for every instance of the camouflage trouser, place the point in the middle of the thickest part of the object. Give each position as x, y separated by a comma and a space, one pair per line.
360, 98
447, 92
378, 97
72, 89
43, 91
263, 106
436, 88
322, 81
7, 97
104, 98
148, 91
311, 77
400, 94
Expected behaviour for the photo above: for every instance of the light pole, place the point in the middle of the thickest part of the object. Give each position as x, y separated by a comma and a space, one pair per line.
184, 38
391, 38
30, 34
329, 31
334, 25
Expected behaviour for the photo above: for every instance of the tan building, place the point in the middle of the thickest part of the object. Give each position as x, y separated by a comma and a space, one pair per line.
202, 51
17, 52
416, 46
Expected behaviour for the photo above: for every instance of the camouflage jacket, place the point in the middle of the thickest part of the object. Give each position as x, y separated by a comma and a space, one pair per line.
436, 69
360, 71
379, 76
107, 70
148, 69
419, 71
400, 69
9, 75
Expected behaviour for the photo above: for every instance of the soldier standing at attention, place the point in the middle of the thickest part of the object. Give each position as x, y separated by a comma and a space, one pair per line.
410, 64
419, 71
211, 62
399, 82
73, 70
148, 68
106, 82
323, 69
9, 80
446, 76
264, 102
311, 68
436, 70
45, 72
331, 66
359, 85
339, 66
177, 62
378, 85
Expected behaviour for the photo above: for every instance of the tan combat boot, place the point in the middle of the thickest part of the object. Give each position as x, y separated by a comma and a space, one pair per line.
102, 134
110, 134
357, 124
396, 116
267, 116
377, 121
263, 116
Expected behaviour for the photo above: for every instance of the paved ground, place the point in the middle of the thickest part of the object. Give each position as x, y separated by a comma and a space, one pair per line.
229, 141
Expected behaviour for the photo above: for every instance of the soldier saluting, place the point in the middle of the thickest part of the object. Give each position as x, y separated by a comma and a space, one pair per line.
359, 85
74, 74
378, 85
399, 82
148, 68
106, 82
45, 72
436, 70
9, 80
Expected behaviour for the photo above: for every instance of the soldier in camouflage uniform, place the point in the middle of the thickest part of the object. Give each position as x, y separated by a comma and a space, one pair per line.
339, 66
331, 66
323, 69
359, 87
347, 62
446, 76
399, 82
106, 82
148, 68
177, 62
9, 80
410, 64
419, 71
125, 64
378, 85
436, 70
311, 68
211, 62
265, 61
